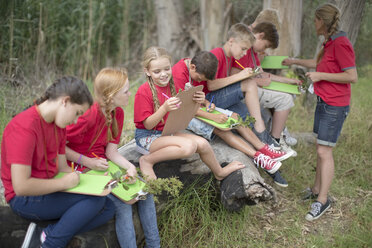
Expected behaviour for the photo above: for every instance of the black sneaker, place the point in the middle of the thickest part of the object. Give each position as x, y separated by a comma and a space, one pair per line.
317, 210
32, 238
278, 179
308, 195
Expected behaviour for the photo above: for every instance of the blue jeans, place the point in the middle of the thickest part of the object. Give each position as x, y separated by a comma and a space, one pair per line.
328, 122
76, 213
230, 97
144, 137
124, 222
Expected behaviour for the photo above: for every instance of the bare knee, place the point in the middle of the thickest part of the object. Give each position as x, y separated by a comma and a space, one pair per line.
324, 152
189, 148
203, 145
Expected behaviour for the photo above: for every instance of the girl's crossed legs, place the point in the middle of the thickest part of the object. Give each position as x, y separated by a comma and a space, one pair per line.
182, 145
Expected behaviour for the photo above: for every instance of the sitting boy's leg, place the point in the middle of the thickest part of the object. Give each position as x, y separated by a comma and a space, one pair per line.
249, 87
227, 96
279, 120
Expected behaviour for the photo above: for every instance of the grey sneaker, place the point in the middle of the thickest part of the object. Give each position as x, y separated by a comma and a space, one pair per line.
33, 236
286, 148
308, 195
291, 141
317, 210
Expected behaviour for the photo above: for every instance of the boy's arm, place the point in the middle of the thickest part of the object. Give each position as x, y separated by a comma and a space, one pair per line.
223, 82
219, 118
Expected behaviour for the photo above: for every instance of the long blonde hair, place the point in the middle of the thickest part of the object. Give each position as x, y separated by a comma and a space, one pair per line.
151, 54
330, 15
106, 84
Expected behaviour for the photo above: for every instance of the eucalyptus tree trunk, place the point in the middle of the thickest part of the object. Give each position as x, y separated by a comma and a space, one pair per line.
169, 15
351, 16
214, 15
290, 19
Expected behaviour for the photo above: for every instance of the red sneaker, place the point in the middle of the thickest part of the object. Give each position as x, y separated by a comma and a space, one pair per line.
274, 154
266, 163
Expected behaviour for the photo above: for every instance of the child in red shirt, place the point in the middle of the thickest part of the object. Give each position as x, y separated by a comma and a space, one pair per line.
151, 110
33, 152
201, 67
335, 71
97, 133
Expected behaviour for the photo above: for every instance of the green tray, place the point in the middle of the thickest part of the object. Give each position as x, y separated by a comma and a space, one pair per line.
223, 126
119, 191
273, 62
89, 184
283, 87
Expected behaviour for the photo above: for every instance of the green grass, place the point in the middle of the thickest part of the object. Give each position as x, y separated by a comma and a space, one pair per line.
197, 218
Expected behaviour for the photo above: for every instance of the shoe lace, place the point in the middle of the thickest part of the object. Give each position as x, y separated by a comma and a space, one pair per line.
315, 208
271, 149
264, 161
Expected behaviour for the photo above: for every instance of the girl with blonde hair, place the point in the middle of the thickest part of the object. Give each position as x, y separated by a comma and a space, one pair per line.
94, 140
335, 71
153, 102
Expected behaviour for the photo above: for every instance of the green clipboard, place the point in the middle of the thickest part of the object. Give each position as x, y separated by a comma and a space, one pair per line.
223, 126
89, 184
126, 195
273, 62
283, 87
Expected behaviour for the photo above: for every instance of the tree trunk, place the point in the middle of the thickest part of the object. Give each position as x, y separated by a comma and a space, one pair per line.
213, 15
169, 26
351, 16
242, 187
290, 18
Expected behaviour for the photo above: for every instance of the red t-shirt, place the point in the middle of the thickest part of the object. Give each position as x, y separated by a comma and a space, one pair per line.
181, 76
23, 143
247, 60
92, 125
224, 66
144, 105
338, 57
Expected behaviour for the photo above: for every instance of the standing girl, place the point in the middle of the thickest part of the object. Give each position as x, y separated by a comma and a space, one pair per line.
97, 133
33, 152
335, 70
151, 107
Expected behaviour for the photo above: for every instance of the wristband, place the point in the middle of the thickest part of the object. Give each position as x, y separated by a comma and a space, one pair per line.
78, 161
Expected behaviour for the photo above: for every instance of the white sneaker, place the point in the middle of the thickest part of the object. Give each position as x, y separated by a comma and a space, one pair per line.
286, 148
291, 141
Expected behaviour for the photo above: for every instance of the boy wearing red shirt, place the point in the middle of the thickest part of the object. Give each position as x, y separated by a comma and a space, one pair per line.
229, 90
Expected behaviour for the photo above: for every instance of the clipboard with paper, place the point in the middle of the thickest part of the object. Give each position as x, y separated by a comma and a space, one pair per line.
180, 118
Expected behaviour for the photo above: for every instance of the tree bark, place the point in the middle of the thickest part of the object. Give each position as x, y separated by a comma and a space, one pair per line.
169, 26
290, 18
351, 16
213, 16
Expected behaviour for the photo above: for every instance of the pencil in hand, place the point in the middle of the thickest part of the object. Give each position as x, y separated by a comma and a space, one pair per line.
72, 167
239, 64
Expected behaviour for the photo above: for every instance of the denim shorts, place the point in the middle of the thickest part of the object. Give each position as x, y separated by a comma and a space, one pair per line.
201, 128
227, 96
328, 121
144, 137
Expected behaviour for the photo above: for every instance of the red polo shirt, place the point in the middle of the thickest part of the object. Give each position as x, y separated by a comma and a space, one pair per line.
224, 65
23, 143
144, 105
338, 57
247, 60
